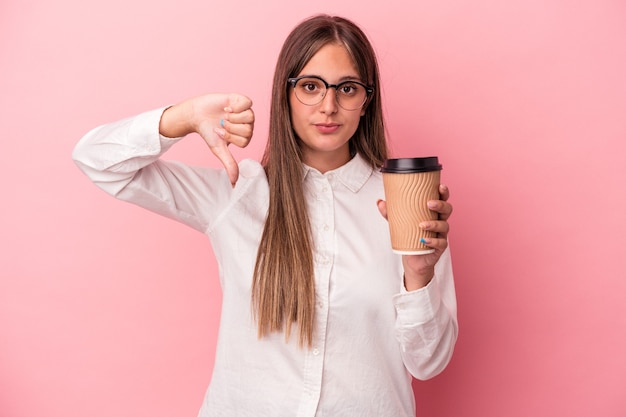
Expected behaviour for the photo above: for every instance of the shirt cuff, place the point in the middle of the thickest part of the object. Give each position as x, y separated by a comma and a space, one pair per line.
419, 306
146, 125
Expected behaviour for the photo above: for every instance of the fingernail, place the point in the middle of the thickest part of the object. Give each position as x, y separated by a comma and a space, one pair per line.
222, 122
432, 204
424, 225
228, 109
424, 241
220, 132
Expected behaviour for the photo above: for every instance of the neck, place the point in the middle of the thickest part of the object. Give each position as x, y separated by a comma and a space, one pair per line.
326, 161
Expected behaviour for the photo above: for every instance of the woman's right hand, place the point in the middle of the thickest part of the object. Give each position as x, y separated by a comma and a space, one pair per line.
221, 119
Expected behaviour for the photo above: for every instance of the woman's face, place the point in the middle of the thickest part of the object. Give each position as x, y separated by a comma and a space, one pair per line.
325, 129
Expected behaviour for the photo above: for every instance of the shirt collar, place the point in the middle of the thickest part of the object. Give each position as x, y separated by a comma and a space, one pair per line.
354, 174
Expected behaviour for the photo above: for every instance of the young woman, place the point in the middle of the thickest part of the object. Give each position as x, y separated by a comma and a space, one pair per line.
319, 316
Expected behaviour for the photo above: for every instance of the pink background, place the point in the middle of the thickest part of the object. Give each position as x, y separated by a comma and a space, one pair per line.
107, 310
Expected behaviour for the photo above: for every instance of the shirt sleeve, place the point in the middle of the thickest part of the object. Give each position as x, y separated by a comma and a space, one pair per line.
123, 158
426, 323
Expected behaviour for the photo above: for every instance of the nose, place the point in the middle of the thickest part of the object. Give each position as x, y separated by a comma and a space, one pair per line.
329, 102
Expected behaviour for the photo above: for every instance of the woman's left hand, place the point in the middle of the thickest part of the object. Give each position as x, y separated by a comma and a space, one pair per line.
420, 269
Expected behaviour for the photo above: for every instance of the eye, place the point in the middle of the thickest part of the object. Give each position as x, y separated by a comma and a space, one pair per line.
349, 89
310, 85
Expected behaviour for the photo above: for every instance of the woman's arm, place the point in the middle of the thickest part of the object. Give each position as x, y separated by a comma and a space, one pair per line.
426, 323
220, 119
123, 158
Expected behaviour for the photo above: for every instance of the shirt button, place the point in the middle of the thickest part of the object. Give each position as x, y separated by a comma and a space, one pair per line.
316, 351
326, 228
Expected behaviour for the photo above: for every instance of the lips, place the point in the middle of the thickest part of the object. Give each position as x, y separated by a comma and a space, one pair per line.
327, 127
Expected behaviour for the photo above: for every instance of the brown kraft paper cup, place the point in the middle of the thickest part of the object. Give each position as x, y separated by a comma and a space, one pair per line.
409, 184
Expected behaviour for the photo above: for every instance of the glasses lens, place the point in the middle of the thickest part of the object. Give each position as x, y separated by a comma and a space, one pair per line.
350, 95
310, 91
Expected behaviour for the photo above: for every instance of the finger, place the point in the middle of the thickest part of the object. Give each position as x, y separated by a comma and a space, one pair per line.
228, 138
443, 208
223, 154
237, 140
444, 192
246, 116
439, 244
382, 207
437, 226
238, 103
238, 134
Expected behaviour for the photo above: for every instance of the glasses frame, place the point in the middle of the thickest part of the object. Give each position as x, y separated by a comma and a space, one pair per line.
368, 90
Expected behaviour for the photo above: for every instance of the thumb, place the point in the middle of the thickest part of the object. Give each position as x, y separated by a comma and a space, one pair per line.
223, 154
382, 207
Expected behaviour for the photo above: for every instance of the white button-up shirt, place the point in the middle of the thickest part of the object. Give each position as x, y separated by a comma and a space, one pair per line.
371, 335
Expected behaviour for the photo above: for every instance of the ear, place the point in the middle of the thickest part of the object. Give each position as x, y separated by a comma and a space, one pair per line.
364, 108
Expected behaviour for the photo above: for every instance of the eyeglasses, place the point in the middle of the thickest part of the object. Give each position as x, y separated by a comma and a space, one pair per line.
311, 90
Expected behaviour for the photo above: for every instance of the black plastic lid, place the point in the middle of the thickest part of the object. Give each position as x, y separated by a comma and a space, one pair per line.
410, 165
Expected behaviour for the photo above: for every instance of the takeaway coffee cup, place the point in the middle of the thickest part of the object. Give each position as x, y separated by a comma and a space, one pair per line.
409, 184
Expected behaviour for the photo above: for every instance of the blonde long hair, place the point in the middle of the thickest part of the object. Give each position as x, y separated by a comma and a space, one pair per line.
283, 288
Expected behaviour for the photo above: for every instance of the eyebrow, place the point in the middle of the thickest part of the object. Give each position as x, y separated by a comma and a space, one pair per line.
342, 79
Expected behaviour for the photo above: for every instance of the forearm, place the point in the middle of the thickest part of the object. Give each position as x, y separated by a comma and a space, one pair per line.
426, 324
427, 347
110, 155
414, 280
